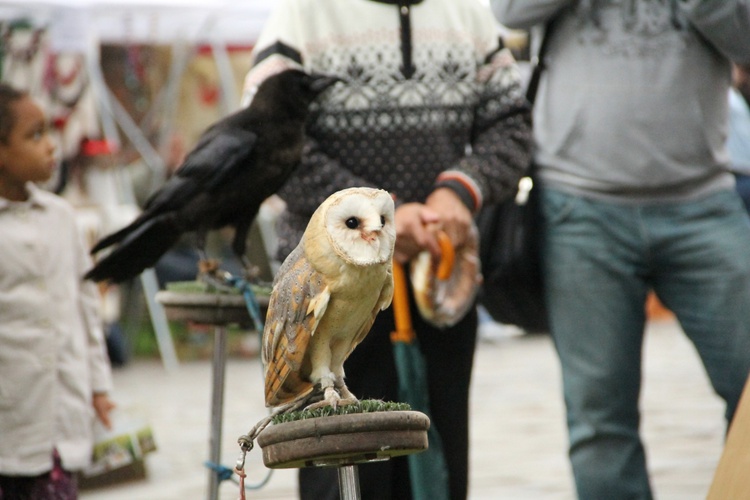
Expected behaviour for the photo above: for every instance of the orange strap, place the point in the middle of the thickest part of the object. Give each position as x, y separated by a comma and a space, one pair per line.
404, 330
242, 475
401, 315
447, 257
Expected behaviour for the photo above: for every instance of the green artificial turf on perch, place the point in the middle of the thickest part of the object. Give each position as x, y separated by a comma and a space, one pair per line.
364, 406
203, 287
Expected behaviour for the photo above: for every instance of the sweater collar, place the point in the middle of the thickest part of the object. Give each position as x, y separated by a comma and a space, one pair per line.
407, 68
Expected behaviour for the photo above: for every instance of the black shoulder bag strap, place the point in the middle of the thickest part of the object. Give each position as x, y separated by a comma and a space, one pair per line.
538, 64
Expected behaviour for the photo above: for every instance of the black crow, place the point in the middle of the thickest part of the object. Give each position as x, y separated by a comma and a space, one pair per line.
238, 162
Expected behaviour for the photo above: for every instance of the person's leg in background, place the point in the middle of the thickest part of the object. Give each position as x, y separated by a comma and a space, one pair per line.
57, 484
449, 356
743, 188
596, 294
704, 278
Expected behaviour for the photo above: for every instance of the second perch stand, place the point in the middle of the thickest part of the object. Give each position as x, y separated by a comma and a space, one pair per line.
218, 310
344, 441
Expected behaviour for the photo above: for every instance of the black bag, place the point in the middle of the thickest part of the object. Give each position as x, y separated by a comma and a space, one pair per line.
509, 245
512, 290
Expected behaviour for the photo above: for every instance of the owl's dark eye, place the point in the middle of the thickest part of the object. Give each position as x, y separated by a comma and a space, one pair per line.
352, 223
382, 220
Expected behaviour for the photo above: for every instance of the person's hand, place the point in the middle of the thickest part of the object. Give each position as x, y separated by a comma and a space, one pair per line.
455, 218
103, 406
414, 233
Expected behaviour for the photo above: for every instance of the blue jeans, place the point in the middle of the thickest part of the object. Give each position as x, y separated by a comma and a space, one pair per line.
601, 259
743, 188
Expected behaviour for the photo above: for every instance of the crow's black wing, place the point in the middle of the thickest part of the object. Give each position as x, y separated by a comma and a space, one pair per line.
213, 161
219, 157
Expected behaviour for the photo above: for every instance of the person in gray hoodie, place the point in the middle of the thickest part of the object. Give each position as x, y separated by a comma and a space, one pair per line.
630, 125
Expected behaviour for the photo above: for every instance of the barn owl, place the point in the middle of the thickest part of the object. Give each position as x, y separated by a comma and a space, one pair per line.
326, 296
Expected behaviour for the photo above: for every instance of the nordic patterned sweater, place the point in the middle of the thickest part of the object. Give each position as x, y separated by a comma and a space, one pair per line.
429, 99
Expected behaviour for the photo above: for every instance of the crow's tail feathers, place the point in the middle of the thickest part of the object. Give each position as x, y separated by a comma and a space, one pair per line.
118, 236
140, 249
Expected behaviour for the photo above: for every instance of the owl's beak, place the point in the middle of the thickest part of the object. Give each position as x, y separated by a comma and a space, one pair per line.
370, 235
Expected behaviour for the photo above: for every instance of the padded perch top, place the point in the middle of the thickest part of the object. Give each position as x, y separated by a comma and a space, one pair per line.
341, 440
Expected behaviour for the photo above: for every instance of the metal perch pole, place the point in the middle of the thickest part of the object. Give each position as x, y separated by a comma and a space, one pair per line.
217, 408
349, 482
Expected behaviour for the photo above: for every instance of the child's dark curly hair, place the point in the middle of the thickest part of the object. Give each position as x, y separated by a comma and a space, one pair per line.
8, 95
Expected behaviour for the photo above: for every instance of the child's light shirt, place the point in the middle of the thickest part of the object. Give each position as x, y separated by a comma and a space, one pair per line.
52, 350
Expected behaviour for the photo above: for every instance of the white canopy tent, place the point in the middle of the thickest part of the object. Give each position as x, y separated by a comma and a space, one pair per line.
147, 21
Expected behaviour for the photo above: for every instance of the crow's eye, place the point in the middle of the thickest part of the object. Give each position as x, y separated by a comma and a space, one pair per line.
382, 220
352, 223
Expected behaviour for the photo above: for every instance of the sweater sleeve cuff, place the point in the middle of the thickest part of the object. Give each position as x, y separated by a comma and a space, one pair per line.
464, 186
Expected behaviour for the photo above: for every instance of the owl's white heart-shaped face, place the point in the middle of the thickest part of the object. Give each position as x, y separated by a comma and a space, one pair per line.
360, 225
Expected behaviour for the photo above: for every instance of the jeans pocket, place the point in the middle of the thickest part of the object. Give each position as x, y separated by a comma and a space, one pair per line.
724, 203
556, 206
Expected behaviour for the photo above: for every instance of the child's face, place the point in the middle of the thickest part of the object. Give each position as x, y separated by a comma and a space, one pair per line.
28, 154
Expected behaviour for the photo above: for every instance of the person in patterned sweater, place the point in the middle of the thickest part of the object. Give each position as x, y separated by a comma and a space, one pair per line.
430, 109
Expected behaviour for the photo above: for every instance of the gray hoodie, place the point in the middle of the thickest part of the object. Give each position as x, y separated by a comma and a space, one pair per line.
632, 104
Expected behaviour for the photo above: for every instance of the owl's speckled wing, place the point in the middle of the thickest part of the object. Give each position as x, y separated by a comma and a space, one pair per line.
299, 299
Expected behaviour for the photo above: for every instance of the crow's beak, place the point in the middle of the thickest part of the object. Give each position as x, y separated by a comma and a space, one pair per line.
321, 82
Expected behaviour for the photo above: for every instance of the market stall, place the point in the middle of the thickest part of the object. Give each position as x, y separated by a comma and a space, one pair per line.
137, 75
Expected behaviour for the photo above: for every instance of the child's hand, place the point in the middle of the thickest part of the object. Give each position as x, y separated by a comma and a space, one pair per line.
103, 406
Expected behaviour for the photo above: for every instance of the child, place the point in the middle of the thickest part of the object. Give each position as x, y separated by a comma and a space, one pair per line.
53, 364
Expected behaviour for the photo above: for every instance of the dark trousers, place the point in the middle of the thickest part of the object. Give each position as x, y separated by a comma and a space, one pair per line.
57, 484
371, 373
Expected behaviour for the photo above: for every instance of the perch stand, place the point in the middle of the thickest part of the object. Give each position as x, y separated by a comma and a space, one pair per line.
344, 441
218, 310
341, 441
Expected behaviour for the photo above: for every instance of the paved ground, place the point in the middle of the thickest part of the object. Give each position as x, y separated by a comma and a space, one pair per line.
518, 435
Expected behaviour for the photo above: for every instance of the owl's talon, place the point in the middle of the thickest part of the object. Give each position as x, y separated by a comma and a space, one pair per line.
331, 398
320, 404
344, 392
348, 401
